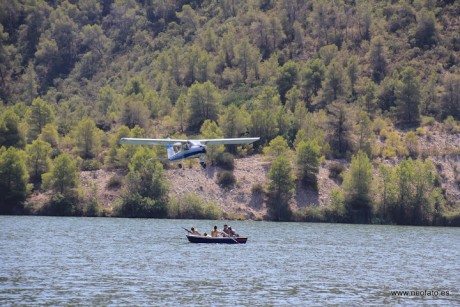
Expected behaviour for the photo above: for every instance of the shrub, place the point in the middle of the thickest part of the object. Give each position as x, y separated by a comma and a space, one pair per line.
420, 131
257, 188
93, 208
335, 171
191, 206
226, 161
89, 165
427, 121
60, 205
226, 179
115, 182
309, 214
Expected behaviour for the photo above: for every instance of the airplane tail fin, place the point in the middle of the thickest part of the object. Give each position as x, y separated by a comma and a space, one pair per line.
170, 150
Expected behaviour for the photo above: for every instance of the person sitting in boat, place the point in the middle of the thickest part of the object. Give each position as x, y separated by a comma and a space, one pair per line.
214, 232
205, 234
194, 232
232, 232
225, 232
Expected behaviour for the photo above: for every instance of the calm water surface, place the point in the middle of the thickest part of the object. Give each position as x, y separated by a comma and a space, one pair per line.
137, 262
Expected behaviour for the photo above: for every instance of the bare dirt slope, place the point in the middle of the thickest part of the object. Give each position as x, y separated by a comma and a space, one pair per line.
241, 201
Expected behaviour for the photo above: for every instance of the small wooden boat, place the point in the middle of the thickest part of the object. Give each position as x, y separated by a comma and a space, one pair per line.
224, 240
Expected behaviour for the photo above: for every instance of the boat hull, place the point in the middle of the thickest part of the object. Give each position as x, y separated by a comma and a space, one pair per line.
219, 240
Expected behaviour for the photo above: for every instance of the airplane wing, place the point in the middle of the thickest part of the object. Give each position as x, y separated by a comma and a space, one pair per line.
139, 141
228, 141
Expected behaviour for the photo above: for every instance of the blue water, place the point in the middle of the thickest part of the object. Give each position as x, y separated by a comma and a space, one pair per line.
145, 262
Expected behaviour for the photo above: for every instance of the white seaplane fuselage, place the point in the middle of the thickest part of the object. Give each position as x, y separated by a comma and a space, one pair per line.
187, 151
179, 150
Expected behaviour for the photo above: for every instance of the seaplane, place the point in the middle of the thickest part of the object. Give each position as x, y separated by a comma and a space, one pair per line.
180, 150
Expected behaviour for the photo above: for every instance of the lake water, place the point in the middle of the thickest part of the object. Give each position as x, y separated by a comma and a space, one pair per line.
145, 262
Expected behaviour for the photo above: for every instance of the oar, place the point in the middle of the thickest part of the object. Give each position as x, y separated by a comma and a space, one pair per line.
187, 230
236, 241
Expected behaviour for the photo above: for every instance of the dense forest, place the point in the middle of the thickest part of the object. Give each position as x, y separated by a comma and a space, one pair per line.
368, 88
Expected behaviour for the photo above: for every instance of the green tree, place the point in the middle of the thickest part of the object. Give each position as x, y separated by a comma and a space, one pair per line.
189, 19
118, 154
312, 76
368, 99
38, 159
4, 62
287, 78
210, 130
386, 96
357, 186
263, 124
29, 84
353, 73
377, 59
87, 139
408, 96
233, 122
405, 173
328, 53
278, 146
280, 189
308, 154
63, 177
51, 136
39, 115
203, 103
247, 59
386, 186
10, 130
13, 180
426, 35
180, 111
135, 112
340, 128
364, 134
451, 95
417, 196
334, 82
146, 191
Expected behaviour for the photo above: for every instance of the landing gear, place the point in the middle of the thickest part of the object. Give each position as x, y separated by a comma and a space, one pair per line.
202, 162
179, 165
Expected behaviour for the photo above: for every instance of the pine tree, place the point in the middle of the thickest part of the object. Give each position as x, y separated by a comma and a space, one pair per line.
10, 130
13, 180
280, 189
377, 59
40, 114
203, 103
357, 186
334, 82
63, 177
38, 159
308, 154
87, 139
408, 96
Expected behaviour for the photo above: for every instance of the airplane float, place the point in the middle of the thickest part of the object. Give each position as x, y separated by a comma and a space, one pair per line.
179, 150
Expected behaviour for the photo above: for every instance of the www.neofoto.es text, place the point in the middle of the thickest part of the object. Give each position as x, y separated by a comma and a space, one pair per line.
420, 293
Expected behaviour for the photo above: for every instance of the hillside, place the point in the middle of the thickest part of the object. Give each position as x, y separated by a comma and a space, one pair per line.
356, 103
240, 202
